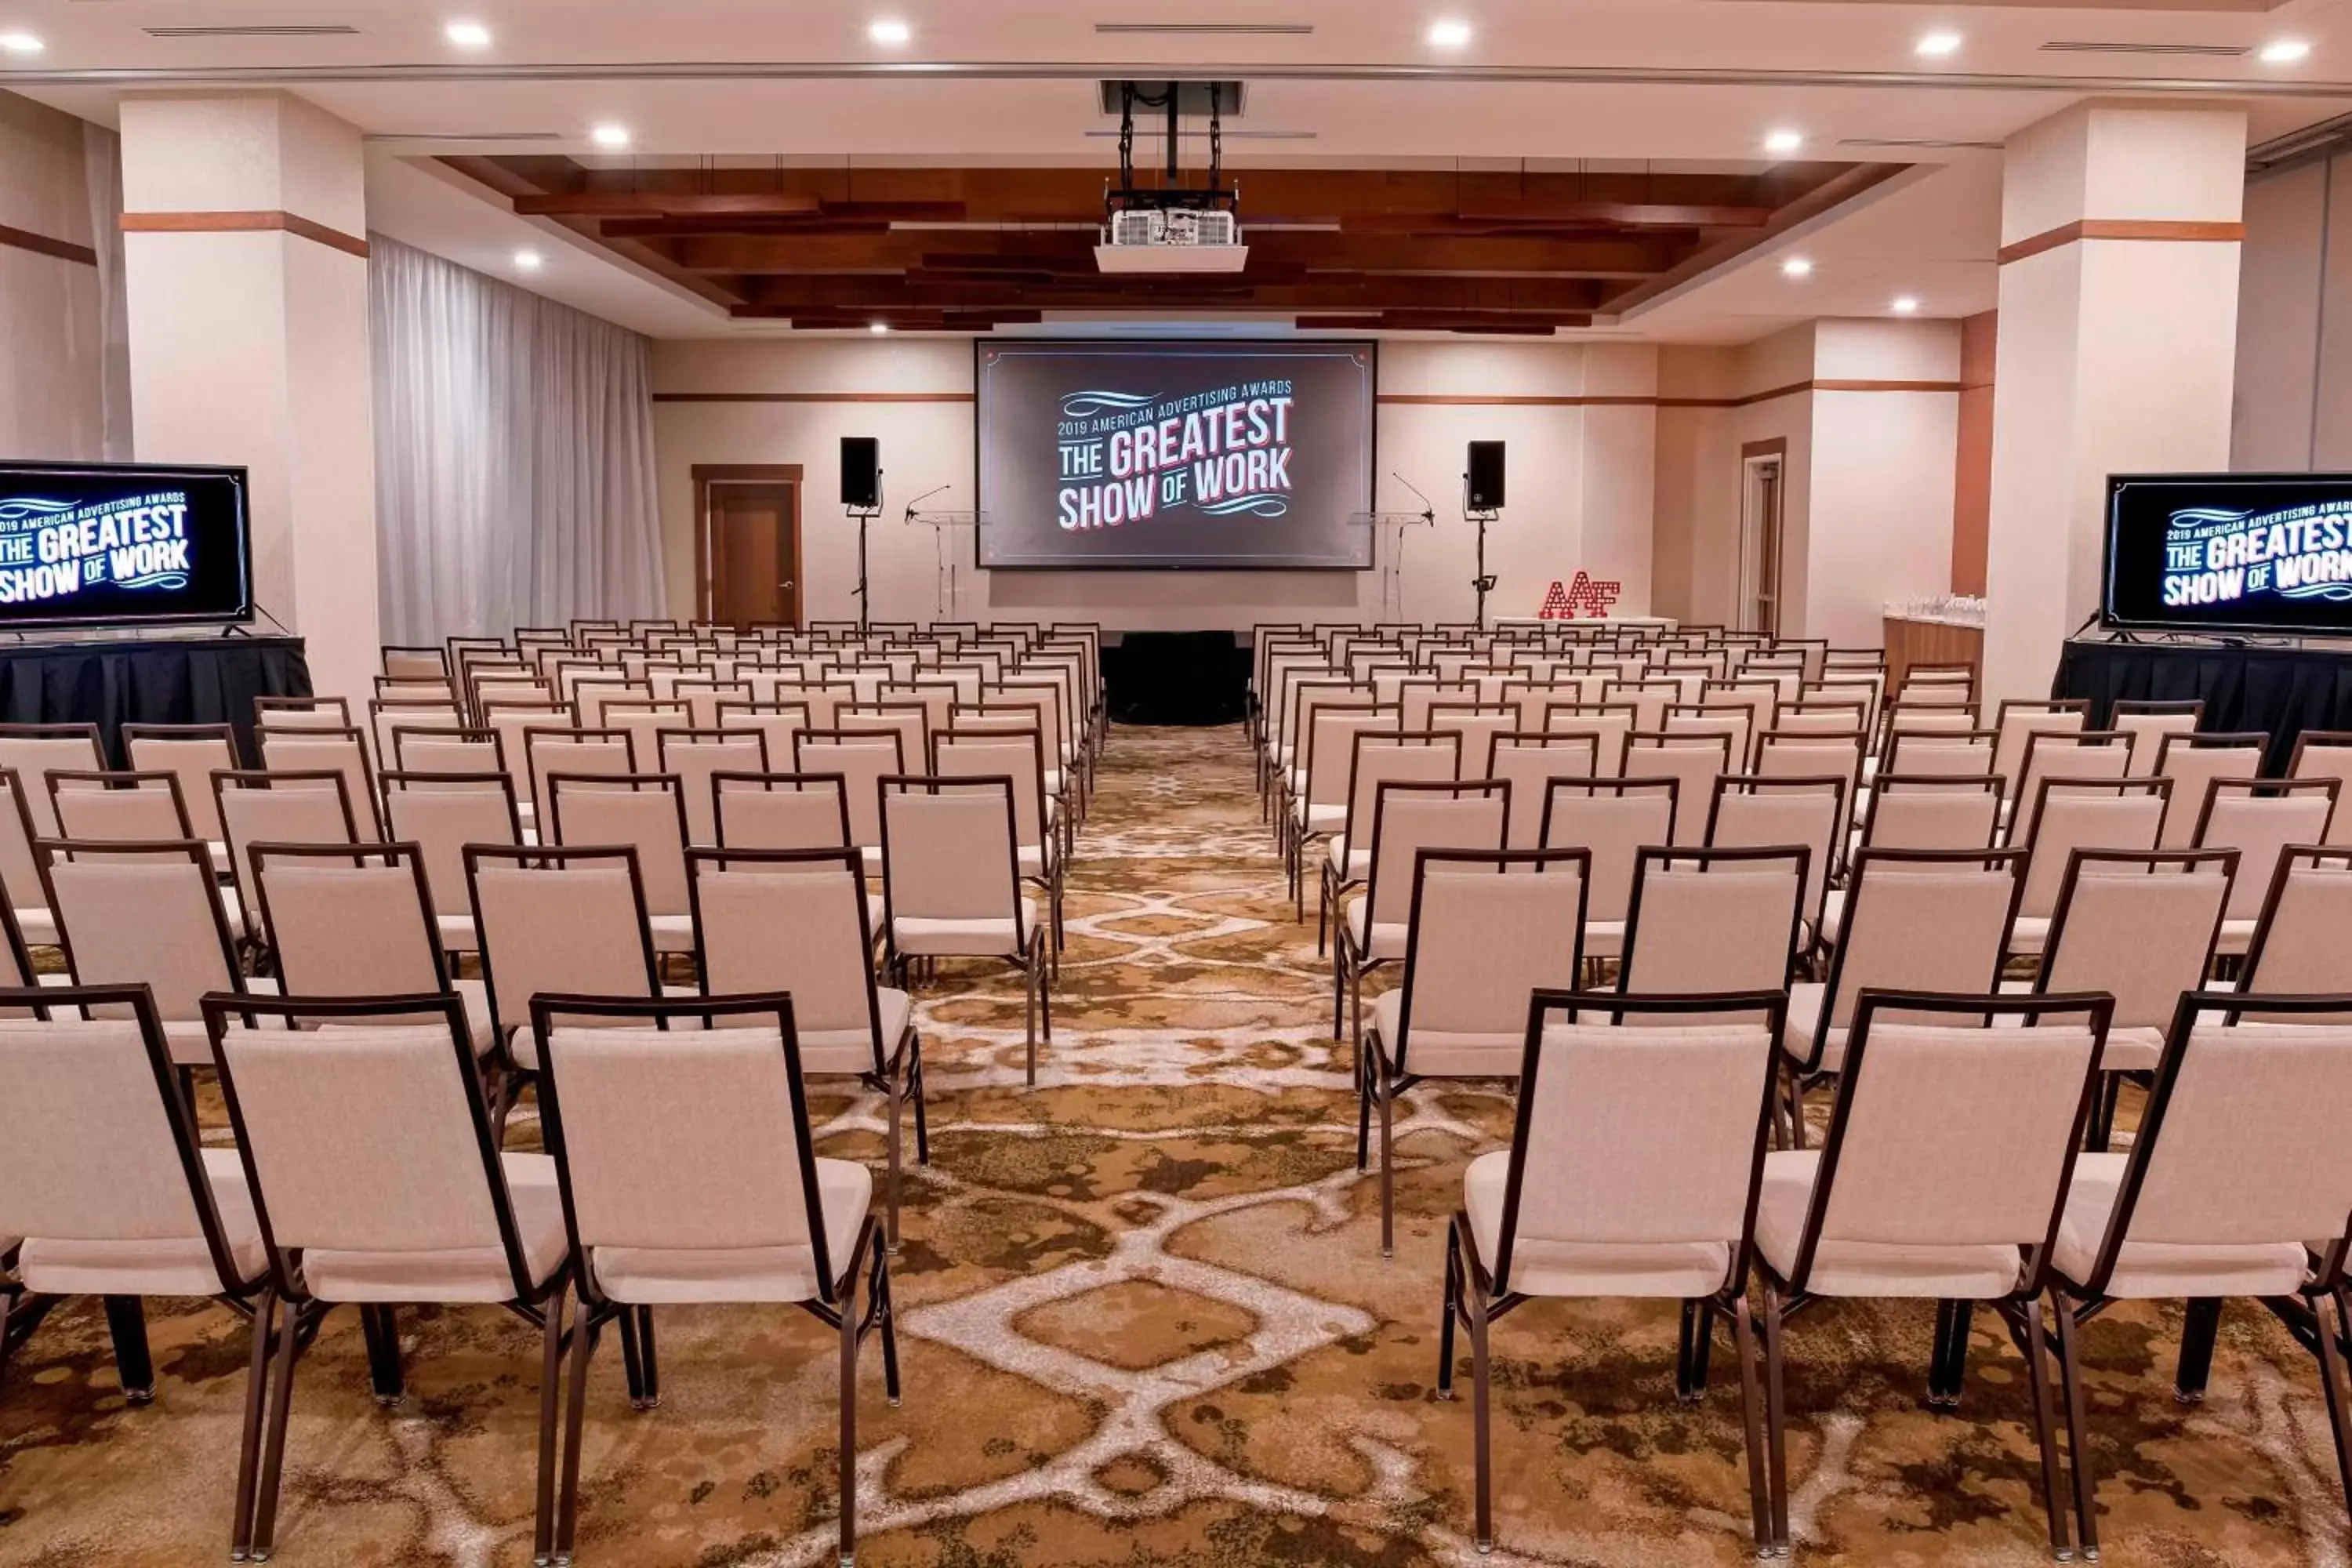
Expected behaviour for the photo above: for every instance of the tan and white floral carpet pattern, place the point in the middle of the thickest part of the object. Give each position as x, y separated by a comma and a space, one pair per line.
1145, 1321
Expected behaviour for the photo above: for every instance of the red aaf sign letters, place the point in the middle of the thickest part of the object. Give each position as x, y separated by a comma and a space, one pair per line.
1582, 599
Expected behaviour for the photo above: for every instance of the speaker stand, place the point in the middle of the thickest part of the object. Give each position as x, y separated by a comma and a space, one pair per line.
1484, 584
865, 516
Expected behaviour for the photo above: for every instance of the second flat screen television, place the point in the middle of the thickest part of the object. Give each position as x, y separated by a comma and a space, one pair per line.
2229, 553
1217, 456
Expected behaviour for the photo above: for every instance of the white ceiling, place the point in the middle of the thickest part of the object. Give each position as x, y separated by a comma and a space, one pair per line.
1011, 81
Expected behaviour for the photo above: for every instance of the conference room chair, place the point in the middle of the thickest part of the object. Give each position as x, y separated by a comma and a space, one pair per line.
2066, 814
547, 749
1528, 760
438, 751
387, 720
1904, 716
104, 1175
440, 813
863, 759
2236, 1185
1408, 817
1478, 724
1849, 686
694, 757
776, 722
1750, 811
146, 914
33, 751
1041, 851
594, 698
322, 749
301, 713
2260, 818
952, 887
2299, 946
1961, 752
1611, 819
1820, 714
2148, 723
1694, 761
1315, 805
1425, 756
1916, 920
1944, 1176
2068, 754
1609, 723
1861, 658
798, 923
2018, 719
2192, 762
138, 808
1713, 920
645, 812
702, 696
1648, 698
260, 807
1936, 681
1819, 753
643, 719
781, 811
414, 663
2142, 927
2324, 754
193, 753
20, 875
1732, 721
1760, 699
904, 720
1049, 690
1632, 1173
377, 1182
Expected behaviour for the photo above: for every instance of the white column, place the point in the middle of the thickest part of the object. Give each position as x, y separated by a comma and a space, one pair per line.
2120, 230
246, 265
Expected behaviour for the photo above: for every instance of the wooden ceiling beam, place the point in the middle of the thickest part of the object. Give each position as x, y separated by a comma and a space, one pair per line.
902, 249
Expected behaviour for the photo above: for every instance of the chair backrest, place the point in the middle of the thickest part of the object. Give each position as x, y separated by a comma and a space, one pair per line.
1693, 761
1528, 760
2260, 818
688, 1138
861, 760
282, 808
1946, 1134
301, 713
781, 811
96, 1143
371, 1136
1016, 755
20, 877
438, 751
1922, 920
134, 913
779, 722
642, 721
791, 921
1612, 820
2299, 946
35, 751
1331, 747
2242, 1141
1409, 817
192, 754
2070, 755
388, 720
1751, 813
1940, 753
318, 750
143, 808
2148, 723
645, 811
948, 849
558, 920
2068, 815
415, 663
346, 921
2192, 762
550, 750
2320, 754
1476, 724
1908, 811
695, 756
514, 722
1422, 756
2018, 719
1713, 920
440, 813
1487, 928
1641, 1137
908, 721
2140, 926
1608, 725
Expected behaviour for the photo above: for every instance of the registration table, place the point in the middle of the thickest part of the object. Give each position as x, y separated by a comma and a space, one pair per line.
208, 679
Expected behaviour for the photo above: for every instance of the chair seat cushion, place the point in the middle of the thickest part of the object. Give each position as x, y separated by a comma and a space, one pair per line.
671, 934
1352, 865
459, 1273
1806, 999
38, 926
1833, 915
1386, 940
924, 938
852, 1051
2237, 936
1316, 818
2162, 1270
1674, 1269
525, 1044
455, 933
2028, 934
1438, 1053
1964, 1272
1604, 938
653, 1276
155, 1266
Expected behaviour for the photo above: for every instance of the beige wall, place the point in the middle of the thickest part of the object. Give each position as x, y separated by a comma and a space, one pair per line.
1580, 480
52, 352
2292, 408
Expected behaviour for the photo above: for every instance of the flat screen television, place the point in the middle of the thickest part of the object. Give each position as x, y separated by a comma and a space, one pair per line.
95, 545
2229, 553
1213, 455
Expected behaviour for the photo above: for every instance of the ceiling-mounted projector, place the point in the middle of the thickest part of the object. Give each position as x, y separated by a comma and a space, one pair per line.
1171, 226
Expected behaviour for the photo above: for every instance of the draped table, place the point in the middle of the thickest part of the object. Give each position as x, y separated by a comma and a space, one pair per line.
209, 679
2283, 690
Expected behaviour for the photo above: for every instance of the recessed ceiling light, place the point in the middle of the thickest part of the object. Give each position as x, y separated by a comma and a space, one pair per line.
1783, 141
610, 135
468, 35
1449, 34
1905, 305
2285, 52
20, 43
1938, 45
528, 260
877, 328
888, 30
1797, 267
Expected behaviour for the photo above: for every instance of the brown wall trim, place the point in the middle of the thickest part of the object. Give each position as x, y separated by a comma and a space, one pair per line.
2121, 228
812, 397
1509, 400
1768, 393
42, 244
244, 223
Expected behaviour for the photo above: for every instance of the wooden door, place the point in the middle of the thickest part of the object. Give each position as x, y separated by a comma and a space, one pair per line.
751, 549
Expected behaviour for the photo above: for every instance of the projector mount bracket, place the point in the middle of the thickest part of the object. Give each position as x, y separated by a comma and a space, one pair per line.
1173, 97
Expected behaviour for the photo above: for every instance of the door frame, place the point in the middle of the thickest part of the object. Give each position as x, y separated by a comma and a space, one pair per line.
1753, 573
707, 474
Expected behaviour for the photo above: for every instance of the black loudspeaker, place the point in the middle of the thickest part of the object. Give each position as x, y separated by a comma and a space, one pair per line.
1485, 477
861, 472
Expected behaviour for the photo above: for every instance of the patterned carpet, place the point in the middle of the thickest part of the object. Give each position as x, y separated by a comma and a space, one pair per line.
1145, 1321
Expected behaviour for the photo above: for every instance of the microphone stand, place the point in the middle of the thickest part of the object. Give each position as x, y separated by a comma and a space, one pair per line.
939, 543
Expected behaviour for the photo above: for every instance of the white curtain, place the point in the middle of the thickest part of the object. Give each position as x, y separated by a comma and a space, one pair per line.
514, 456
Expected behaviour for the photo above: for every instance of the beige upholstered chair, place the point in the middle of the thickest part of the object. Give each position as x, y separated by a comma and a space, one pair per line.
277, 809
694, 757
2020, 718
861, 760
1408, 817
1693, 761
1382, 756
951, 886
778, 722
796, 920
2260, 818
1528, 760
377, 1182
1476, 725
781, 811
1937, 752
2320, 754
193, 752
322, 749
2070, 755
444, 750
388, 720
1713, 920
1632, 1173
1911, 811
1916, 920
2066, 814
1816, 753
1613, 820
908, 721
2237, 1184
609, 752
1608, 723
2192, 762
301, 713
2148, 723
1317, 807
441, 813
1039, 826
34, 751
20, 875
1487, 927
1944, 1177
645, 812
415, 663
647, 1125
2298, 947
139, 808
1753, 812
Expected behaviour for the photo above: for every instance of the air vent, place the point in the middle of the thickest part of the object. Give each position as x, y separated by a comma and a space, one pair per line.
2095, 46
277, 30
1212, 29
1919, 143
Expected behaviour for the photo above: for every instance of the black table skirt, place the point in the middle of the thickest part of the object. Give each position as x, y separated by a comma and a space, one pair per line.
174, 681
1176, 677
2283, 690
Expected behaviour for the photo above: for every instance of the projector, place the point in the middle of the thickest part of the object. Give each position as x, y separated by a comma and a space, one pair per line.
1171, 239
